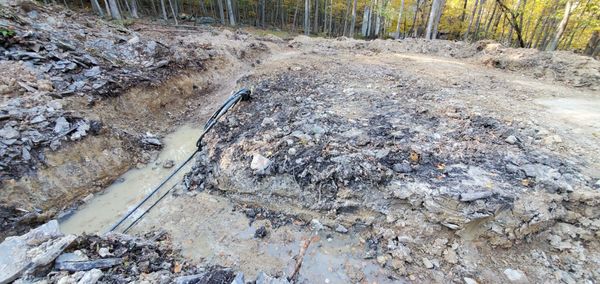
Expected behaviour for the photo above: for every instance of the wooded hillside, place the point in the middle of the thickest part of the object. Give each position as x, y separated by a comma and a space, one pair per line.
542, 24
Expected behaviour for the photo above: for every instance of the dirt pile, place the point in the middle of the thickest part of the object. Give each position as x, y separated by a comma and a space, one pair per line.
387, 154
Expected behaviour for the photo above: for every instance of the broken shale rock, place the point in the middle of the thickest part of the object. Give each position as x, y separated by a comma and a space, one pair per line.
23, 255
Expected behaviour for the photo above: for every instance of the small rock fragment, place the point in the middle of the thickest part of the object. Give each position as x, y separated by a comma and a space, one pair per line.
38, 119
259, 163
515, 276
91, 277
402, 168
511, 139
260, 232
93, 72
427, 263
341, 229
316, 225
104, 252
168, 164
470, 280
552, 139
471, 196
8, 132
62, 125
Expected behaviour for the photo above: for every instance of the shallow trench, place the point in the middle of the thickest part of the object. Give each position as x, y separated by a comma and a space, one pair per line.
77, 171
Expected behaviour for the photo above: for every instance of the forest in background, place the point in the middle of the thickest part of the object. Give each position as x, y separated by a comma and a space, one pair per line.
542, 24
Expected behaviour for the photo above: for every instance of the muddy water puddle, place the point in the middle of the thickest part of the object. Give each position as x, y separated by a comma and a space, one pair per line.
209, 230
104, 209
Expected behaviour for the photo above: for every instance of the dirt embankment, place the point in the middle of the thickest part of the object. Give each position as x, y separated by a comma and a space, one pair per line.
84, 100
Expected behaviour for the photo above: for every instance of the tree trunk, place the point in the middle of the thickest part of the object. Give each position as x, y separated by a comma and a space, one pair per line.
221, 12
262, 13
513, 20
346, 16
231, 13
316, 18
134, 9
510, 34
471, 19
365, 22
414, 23
478, 22
490, 20
569, 7
294, 19
114, 10
527, 27
353, 22
397, 35
163, 9
173, 12
593, 45
433, 14
202, 7
438, 19
464, 12
307, 17
97, 8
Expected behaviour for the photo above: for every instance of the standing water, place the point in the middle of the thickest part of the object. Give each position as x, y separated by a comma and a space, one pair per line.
105, 209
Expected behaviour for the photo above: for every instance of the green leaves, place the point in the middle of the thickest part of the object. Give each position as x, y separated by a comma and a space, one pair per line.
6, 33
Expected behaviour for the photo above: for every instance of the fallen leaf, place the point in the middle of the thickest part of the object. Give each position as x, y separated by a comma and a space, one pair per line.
177, 267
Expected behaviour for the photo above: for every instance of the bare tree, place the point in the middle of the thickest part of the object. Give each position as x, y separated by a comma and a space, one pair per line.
471, 19
513, 20
97, 8
569, 7
399, 19
163, 9
353, 22
134, 9
316, 18
593, 46
433, 14
114, 10
173, 12
230, 12
221, 13
478, 22
307, 17
414, 23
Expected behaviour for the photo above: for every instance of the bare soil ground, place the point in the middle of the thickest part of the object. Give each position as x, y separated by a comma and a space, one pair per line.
412, 161
440, 168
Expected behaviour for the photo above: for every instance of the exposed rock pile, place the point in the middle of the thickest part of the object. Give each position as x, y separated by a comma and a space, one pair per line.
45, 254
389, 152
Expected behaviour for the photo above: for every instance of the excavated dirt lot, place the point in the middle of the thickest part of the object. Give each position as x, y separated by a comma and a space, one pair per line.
402, 161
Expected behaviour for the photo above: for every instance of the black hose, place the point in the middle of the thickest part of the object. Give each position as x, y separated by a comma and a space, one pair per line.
241, 95
152, 192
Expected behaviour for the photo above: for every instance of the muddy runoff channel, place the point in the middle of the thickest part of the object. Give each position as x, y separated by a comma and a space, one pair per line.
98, 213
223, 233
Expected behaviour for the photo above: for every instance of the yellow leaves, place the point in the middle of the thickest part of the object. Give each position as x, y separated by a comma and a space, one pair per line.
414, 157
177, 267
440, 167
